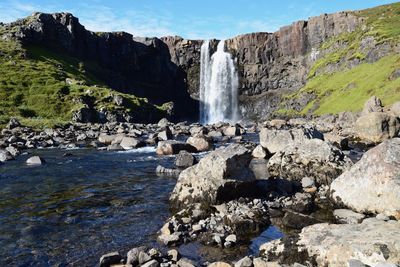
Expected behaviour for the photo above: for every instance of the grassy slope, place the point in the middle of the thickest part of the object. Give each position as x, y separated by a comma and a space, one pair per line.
33, 86
347, 90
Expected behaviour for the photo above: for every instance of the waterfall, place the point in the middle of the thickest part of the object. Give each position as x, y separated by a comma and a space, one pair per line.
218, 85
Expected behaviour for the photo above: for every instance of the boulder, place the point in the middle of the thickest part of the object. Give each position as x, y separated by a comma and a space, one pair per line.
312, 158
373, 104
220, 176
13, 123
184, 159
372, 242
130, 143
376, 127
372, 185
232, 130
165, 135
35, 160
106, 138
200, 143
172, 147
348, 216
277, 140
132, 257
340, 142
259, 152
109, 259
395, 109
164, 122
5, 155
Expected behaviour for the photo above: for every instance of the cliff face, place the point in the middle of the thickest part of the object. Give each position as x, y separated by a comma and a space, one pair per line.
139, 66
272, 66
269, 64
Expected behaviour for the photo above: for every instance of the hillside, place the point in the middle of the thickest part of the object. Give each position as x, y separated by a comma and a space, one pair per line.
355, 66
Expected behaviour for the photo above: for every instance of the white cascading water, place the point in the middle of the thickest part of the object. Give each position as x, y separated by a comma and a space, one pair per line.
218, 86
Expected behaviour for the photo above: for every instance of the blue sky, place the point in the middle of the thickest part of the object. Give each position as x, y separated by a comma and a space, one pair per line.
200, 19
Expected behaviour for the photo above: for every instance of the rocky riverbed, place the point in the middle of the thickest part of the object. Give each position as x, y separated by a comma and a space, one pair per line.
329, 183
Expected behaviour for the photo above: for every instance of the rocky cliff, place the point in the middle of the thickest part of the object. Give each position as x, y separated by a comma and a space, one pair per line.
133, 65
294, 71
273, 66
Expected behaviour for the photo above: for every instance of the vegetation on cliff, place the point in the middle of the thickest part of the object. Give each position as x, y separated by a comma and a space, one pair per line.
43, 88
345, 76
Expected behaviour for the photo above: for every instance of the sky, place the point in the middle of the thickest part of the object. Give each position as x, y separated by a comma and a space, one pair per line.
200, 19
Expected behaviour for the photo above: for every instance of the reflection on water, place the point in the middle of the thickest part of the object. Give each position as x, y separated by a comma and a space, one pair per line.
74, 209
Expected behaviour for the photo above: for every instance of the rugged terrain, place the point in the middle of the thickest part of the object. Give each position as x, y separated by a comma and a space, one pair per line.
328, 64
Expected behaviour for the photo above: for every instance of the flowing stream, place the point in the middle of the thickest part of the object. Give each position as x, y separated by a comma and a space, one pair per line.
218, 85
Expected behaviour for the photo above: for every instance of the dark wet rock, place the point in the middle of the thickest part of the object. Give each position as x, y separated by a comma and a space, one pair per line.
13, 123
185, 159
311, 157
109, 259
298, 220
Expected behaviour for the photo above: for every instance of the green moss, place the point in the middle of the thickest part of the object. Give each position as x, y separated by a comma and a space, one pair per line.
348, 90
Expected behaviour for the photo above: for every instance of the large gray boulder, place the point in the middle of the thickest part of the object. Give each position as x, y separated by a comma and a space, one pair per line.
184, 159
200, 143
310, 158
372, 185
130, 143
376, 127
220, 176
372, 242
276, 140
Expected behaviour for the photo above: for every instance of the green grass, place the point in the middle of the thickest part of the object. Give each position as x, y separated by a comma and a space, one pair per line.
382, 23
33, 87
348, 90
